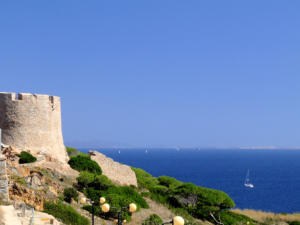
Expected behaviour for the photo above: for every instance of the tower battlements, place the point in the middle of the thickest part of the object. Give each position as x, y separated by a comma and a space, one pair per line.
17, 97
32, 122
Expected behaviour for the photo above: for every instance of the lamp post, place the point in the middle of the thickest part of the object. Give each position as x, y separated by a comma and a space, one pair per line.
93, 213
177, 220
106, 208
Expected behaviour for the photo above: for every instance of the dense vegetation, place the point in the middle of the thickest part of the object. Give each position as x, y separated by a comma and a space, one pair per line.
94, 186
294, 223
153, 219
26, 157
65, 213
187, 198
69, 194
84, 163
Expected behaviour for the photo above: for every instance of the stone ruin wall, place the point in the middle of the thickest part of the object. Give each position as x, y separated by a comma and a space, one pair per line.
4, 194
32, 123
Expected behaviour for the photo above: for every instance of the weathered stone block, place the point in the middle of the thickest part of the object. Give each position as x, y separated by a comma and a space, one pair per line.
118, 173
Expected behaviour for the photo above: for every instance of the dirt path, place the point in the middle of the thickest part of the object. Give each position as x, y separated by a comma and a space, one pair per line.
9, 215
1, 217
155, 208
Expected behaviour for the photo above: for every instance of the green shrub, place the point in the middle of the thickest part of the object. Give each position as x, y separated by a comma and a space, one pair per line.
65, 213
159, 189
70, 193
84, 163
120, 196
98, 182
153, 219
26, 157
169, 182
144, 179
72, 151
294, 223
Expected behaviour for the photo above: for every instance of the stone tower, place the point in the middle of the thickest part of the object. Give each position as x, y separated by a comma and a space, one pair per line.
32, 123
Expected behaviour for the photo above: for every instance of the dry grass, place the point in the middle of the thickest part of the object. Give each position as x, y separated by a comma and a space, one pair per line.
156, 208
261, 216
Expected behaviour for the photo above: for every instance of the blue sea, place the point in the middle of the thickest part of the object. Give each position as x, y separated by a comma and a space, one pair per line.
274, 173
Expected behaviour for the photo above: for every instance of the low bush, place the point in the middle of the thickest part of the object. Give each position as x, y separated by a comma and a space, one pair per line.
153, 219
91, 180
169, 182
84, 163
26, 157
145, 180
120, 196
294, 223
69, 194
65, 213
72, 151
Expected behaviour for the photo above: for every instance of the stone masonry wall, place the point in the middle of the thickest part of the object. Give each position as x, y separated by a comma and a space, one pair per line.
4, 194
32, 123
118, 173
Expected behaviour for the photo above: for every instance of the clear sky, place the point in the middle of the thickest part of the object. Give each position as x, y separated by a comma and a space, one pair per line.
160, 72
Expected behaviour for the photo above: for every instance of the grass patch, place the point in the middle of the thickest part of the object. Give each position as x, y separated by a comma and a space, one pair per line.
65, 213
18, 179
153, 219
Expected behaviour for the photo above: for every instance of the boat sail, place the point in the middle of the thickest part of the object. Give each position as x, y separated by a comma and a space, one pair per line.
247, 181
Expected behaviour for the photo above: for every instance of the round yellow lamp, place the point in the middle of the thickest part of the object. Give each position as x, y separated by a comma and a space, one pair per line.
102, 200
105, 207
178, 220
132, 207
83, 200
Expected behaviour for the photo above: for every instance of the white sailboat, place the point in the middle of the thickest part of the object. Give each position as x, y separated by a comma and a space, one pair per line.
247, 181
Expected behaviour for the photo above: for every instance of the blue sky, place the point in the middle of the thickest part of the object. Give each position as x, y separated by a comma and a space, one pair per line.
160, 73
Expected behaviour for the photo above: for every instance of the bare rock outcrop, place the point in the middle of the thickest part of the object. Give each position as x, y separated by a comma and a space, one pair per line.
118, 173
27, 195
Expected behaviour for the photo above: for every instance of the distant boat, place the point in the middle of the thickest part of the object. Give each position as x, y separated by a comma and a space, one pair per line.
146, 151
247, 181
119, 152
